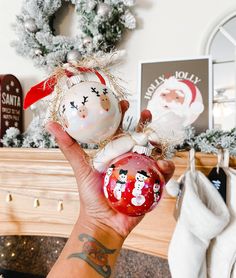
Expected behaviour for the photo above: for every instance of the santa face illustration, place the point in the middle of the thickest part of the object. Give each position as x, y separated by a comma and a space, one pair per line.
107, 179
179, 96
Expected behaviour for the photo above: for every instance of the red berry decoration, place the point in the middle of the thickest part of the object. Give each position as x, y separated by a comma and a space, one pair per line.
133, 184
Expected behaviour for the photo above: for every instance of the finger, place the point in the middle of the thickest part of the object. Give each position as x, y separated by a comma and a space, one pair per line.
145, 118
167, 168
124, 106
70, 148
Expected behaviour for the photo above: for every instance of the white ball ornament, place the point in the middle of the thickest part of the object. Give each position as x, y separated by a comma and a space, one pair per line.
87, 40
129, 3
73, 56
103, 9
91, 4
30, 25
172, 187
90, 112
38, 52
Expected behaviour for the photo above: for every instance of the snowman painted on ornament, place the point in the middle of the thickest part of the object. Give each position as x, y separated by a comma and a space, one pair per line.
180, 96
138, 198
120, 184
156, 190
107, 179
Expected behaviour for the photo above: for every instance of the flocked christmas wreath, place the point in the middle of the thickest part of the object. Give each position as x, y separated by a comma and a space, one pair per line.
101, 25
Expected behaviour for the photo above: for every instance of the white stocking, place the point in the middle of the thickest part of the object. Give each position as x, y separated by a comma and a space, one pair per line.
221, 256
203, 215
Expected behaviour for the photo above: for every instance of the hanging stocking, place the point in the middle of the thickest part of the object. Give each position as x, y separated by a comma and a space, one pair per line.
218, 176
221, 256
233, 272
203, 215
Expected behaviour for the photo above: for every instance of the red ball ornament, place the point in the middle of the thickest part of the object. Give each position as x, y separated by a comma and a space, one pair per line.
133, 184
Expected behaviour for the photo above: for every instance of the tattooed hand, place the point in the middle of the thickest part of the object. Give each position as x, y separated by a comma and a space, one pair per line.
94, 207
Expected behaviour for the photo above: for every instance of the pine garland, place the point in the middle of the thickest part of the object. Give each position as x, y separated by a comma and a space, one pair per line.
210, 141
12, 138
102, 24
207, 142
33, 138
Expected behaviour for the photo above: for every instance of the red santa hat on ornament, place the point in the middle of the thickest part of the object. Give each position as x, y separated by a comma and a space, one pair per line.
192, 96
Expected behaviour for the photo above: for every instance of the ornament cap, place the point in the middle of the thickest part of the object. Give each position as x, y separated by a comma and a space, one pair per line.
73, 80
142, 150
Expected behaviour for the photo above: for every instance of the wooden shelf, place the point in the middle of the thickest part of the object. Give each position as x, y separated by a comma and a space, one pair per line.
46, 172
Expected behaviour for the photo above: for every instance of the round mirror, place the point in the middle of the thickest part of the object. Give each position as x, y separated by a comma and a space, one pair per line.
221, 46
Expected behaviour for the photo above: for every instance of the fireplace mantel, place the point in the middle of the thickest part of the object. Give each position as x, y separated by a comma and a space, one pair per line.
46, 172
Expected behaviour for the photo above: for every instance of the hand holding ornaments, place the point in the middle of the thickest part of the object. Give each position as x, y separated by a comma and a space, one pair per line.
133, 183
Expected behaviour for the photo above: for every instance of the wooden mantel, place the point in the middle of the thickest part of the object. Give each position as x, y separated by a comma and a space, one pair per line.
45, 172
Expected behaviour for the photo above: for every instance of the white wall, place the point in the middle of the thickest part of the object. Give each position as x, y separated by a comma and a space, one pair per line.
166, 29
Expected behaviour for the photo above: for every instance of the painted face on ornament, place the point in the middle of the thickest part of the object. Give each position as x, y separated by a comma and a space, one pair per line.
92, 111
156, 187
110, 170
104, 99
141, 176
123, 175
82, 110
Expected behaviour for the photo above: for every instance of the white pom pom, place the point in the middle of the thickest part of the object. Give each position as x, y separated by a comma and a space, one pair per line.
172, 187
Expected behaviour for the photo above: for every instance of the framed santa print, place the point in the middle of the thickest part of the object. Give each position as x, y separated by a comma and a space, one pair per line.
182, 86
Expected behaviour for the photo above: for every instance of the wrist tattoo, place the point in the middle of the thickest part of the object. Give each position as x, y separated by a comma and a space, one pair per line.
95, 254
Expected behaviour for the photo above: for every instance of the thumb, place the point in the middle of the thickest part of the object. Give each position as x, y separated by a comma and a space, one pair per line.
77, 158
